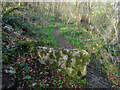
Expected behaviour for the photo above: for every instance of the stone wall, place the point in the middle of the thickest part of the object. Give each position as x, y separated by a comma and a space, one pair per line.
73, 61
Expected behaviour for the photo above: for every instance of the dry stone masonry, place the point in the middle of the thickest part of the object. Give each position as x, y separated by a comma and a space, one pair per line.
73, 61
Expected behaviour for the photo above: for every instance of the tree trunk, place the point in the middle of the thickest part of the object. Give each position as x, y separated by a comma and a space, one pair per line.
89, 12
7, 12
76, 24
119, 24
77, 15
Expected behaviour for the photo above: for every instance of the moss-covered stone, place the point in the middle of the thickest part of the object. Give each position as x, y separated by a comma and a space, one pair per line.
73, 61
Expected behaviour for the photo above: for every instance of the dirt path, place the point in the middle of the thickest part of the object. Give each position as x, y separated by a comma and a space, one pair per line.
61, 40
94, 78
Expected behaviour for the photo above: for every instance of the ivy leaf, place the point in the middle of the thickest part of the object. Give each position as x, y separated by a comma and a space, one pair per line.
9, 54
27, 77
27, 70
12, 71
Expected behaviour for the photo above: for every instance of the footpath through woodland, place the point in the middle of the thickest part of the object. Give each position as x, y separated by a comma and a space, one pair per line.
61, 40
94, 78
52, 78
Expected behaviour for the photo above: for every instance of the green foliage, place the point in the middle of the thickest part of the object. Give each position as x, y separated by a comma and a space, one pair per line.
27, 77
40, 25
94, 45
5, 58
48, 35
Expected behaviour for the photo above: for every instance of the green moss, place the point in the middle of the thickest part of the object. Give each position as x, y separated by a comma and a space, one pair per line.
57, 54
55, 64
47, 62
74, 73
51, 56
79, 73
29, 43
76, 69
68, 62
5, 58
67, 70
65, 52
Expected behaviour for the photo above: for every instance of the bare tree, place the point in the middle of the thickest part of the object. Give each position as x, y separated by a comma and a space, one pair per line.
119, 24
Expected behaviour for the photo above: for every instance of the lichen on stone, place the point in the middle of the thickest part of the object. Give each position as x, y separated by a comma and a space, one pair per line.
73, 61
